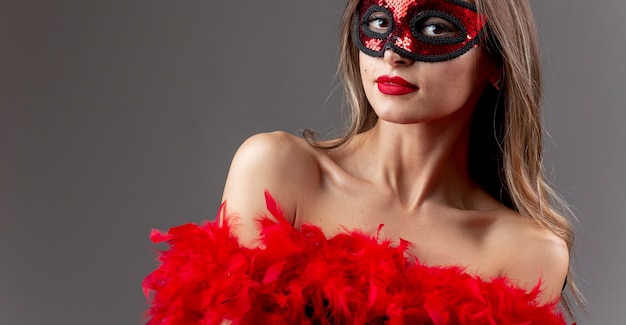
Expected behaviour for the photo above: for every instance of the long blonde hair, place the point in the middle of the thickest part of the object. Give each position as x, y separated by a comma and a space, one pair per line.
506, 134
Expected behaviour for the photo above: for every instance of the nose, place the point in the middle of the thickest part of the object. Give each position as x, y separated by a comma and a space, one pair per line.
394, 59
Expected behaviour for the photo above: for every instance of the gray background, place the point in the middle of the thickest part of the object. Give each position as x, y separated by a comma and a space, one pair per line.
120, 116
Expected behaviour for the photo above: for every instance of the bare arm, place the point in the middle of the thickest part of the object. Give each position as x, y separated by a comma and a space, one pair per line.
276, 162
537, 254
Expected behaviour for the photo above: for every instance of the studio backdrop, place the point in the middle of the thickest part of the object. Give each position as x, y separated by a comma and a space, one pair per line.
117, 117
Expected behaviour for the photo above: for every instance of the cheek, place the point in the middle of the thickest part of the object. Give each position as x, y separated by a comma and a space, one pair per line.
364, 64
458, 83
448, 95
367, 70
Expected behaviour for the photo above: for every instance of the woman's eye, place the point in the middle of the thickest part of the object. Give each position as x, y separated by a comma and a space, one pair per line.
438, 27
378, 22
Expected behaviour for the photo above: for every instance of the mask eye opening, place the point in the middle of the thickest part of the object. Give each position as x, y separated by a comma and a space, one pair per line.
416, 28
364, 22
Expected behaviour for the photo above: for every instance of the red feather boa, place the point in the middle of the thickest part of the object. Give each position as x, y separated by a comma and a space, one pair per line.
301, 277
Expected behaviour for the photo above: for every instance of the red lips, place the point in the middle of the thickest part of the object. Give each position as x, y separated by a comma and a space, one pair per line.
395, 86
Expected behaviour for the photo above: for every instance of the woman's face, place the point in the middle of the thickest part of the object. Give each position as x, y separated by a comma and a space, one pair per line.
427, 64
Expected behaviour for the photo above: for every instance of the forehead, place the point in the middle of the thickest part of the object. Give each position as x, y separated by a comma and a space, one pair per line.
403, 8
400, 8
402, 5
406, 3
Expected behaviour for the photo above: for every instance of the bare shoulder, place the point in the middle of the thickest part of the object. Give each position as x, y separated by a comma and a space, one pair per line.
273, 151
277, 162
530, 254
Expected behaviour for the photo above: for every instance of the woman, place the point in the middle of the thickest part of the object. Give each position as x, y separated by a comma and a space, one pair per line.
442, 157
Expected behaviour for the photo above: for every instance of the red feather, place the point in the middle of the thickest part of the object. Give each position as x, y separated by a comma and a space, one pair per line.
301, 277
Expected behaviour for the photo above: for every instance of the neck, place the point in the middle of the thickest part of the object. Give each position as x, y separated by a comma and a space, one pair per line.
417, 162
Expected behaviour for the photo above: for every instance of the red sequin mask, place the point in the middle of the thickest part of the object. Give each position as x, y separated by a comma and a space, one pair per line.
420, 30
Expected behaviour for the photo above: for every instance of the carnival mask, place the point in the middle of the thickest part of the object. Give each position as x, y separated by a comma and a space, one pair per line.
420, 30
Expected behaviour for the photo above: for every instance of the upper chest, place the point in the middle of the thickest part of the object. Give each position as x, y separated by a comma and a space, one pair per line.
438, 235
